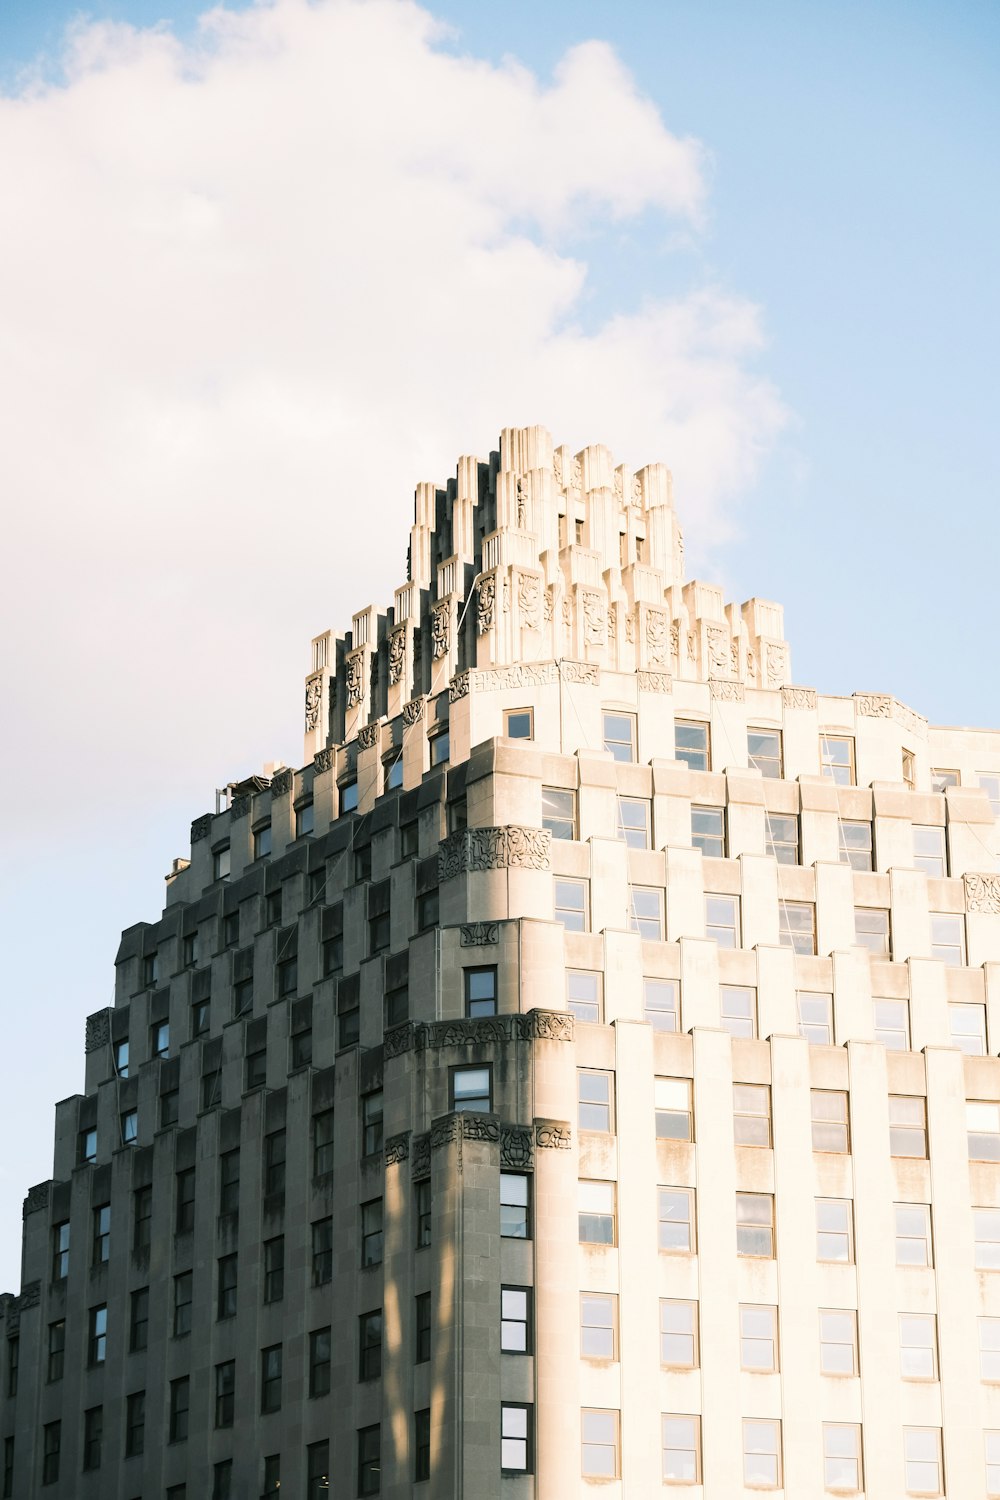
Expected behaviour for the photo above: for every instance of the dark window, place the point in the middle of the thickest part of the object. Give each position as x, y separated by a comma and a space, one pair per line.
322, 1252
231, 929
274, 1269
159, 1039
57, 1350
270, 1378
371, 1232
515, 1319
121, 1059
519, 724
221, 863
272, 908
333, 938
180, 1399
225, 1393
370, 1345
409, 840
323, 1143
440, 751
97, 1342
8, 1468
515, 1206
222, 1480
422, 1328
371, 1122
262, 841
211, 1088
302, 1048
93, 1433
228, 1272
169, 1107
199, 1017
304, 821
315, 885
150, 969
185, 1201
87, 1146
427, 910
378, 932
397, 1004
422, 1444
363, 863
129, 1123
256, 1068
60, 1251
370, 1438
142, 1219
318, 1471
472, 1089
288, 976
274, 1162
138, 1322
102, 1234
349, 1011
51, 1441
272, 1474
319, 1362
422, 1195
229, 1182
481, 991
242, 997
135, 1424
183, 1292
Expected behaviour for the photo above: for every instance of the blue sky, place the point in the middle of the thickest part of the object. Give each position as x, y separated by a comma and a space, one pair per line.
848, 210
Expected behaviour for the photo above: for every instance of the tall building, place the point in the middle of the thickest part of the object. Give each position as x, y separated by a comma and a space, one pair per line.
579, 1077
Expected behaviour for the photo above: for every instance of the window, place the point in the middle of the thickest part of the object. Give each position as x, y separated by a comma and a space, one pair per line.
332, 929
830, 1130
274, 1269
598, 1325
758, 1338
349, 1007
762, 1454
646, 912
8, 1468
371, 1232
838, 1341
222, 1480
102, 1234
835, 1230
169, 1107
842, 1457
738, 1010
318, 1471
288, 976
600, 1444
659, 1004
619, 735
180, 1397
986, 1228
871, 930
782, 837
595, 1100
440, 748
421, 1328
422, 1212
349, 796
892, 1024
797, 926
184, 1216
708, 831
755, 1224
816, 1017
378, 932
918, 1346
319, 1362
428, 908
302, 1048
138, 1322
722, 920
97, 1342
129, 1121
571, 904
940, 780
584, 994
674, 1109
422, 1444
596, 1212
634, 815
370, 1438
13, 1360
764, 751
992, 1463
908, 768
370, 1345
121, 1059
836, 753
51, 1442
480, 991
392, 771
242, 997
922, 1457
913, 1235
678, 1334
989, 1348
211, 1088
231, 929
751, 1114
691, 744
228, 1270
60, 1251
256, 1068
304, 820
948, 938
150, 969
322, 1252
559, 812
983, 1126
262, 841
182, 1303
991, 786
907, 1125
471, 1089
929, 851
274, 1162
229, 1182
57, 1350
159, 1039
135, 1424
515, 1437
225, 1393
86, 1153
519, 723
681, 1444
675, 1215
968, 1028
397, 991
270, 1378
221, 863
372, 1107
515, 1319
515, 1220
856, 845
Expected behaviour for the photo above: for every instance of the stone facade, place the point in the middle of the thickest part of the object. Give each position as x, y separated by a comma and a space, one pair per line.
581, 1074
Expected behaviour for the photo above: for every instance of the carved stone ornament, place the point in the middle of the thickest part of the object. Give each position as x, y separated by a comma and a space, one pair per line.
675, 640
798, 697
557, 470
777, 665
751, 664
613, 621
522, 505
31, 1295
397, 1040
529, 600
692, 646
719, 660
283, 781
368, 736
630, 627
37, 1199
480, 934
486, 606
594, 617
322, 761
440, 630
873, 705
552, 1025
654, 682
619, 485
477, 1127
577, 480
567, 612
314, 699
98, 1030
420, 1157
444, 1131
519, 675
201, 828
914, 722
553, 1135
413, 712
580, 671
240, 806
734, 658
637, 491
397, 1149
459, 687
506, 848
982, 894
354, 679
549, 605
515, 1147
726, 690
397, 654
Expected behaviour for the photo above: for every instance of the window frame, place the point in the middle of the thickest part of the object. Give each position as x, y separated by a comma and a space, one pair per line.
827, 1340
695, 757
510, 714
714, 925
612, 743
690, 1332
750, 1336
771, 765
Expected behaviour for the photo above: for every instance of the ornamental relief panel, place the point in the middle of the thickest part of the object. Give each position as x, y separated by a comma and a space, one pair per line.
314, 698
719, 659
201, 828
555, 1135
486, 608
322, 761
725, 690
397, 1149
594, 617
873, 705
509, 847
368, 736
529, 600
397, 655
37, 1199
982, 894
282, 781
656, 637
413, 711
798, 697
479, 934
98, 1030
440, 630
776, 662
354, 679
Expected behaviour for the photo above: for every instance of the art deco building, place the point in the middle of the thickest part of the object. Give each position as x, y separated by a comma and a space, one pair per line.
579, 1078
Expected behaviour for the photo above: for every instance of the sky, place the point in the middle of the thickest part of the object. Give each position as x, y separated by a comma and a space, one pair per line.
264, 267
